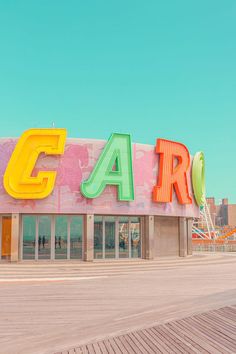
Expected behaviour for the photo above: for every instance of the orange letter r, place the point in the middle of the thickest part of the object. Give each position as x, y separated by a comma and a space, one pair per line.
173, 166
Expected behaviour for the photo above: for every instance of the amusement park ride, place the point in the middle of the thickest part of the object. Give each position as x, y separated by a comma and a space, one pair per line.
203, 228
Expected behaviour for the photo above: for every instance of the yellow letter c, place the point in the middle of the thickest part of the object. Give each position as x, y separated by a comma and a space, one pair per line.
18, 180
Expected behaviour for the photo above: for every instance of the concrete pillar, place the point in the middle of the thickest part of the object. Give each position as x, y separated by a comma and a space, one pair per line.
15, 237
189, 232
182, 237
88, 237
149, 237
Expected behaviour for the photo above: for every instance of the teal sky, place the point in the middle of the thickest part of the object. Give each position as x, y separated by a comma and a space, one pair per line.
149, 68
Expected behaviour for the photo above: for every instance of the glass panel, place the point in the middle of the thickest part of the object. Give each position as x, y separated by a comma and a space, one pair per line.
44, 237
98, 237
123, 237
29, 233
61, 228
110, 230
135, 234
76, 237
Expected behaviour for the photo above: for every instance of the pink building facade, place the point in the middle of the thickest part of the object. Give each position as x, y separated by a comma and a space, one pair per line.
68, 226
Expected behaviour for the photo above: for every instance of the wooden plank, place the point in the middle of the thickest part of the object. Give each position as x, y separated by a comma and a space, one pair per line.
210, 332
142, 340
133, 342
158, 339
227, 320
121, 346
115, 347
90, 349
208, 335
219, 318
78, 351
102, 348
227, 314
216, 334
201, 340
151, 341
231, 309
185, 345
84, 349
127, 343
188, 338
171, 343
96, 348
108, 346
220, 325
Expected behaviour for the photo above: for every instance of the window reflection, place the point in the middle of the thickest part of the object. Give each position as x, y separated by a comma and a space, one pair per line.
44, 237
135, 237
123, 237
29, 235
76, 237
38, 236
98, 238
114, 236
110, 227
61, 233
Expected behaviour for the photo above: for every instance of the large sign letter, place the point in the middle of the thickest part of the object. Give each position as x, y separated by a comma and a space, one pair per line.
18, 179
113, 167
173, 166
198, 178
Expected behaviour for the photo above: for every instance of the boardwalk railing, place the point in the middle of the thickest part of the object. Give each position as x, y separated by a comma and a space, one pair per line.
214, 245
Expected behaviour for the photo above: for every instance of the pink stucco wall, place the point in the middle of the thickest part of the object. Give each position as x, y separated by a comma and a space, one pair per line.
75, 166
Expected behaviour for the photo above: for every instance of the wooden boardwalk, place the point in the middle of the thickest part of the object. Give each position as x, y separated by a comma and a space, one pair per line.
209, 332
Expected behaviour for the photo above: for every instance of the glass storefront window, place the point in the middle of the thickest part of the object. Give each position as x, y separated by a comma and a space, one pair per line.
29, 236
110, 237
61, 235
135, 235
98, 237
39, 236
123, 237
44, 237
76, 237
117, 237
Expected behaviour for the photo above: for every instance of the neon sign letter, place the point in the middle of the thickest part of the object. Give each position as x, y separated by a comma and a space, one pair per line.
170, 175
18, 180
114, 167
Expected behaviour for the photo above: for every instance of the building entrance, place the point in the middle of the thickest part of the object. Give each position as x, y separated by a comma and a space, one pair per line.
52, 237
117, 237
6, 237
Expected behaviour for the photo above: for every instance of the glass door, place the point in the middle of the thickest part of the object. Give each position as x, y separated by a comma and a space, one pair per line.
124, 244
6, 237
29, 237
44, 237
135, 237
110, 236
52, 237
76, 237
98, 237
117, 237
61, 237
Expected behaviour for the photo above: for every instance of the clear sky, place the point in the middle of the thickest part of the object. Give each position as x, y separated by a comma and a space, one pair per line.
149, 68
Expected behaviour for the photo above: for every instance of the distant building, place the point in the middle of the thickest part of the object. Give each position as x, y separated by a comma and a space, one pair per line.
223, 214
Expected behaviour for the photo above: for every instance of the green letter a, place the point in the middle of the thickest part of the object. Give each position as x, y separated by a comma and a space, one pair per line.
114, 167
